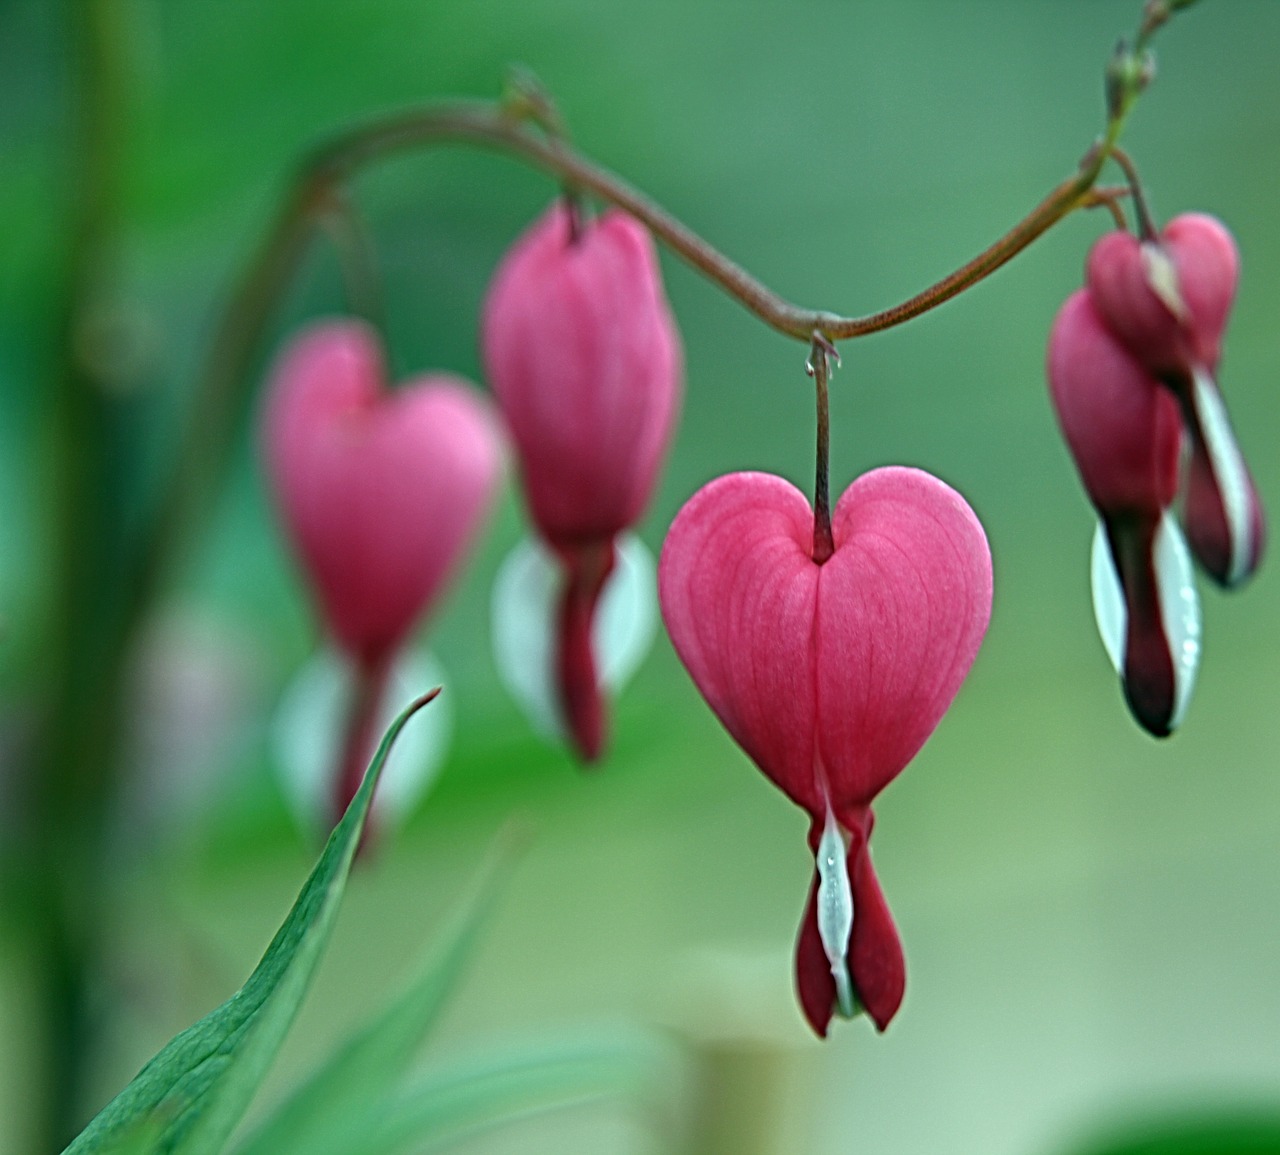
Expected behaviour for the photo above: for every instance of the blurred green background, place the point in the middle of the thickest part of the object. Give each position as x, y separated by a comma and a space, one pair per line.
1090, 917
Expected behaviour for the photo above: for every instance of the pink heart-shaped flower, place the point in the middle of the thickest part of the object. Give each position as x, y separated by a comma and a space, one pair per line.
585, 361
831, 677
381, 492
1168, 303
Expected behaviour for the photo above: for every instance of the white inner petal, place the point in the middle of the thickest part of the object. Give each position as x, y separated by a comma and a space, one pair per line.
1108, 599
1162, 278
1179, 606
525, 605
1179, 610
1229, 471
835, 910
307, 732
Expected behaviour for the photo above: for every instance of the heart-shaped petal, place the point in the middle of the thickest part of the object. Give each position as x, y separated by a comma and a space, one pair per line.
1122, 425
585, 361
380, 491
1168, 302
830, 677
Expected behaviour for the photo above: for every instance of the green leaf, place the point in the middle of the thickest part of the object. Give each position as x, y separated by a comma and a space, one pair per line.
1236, 1133
454, 1107
194, 1092
355, 1086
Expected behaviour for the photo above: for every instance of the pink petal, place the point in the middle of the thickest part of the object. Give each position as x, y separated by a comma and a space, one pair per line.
1206, 266
584, 357
738, 591
903, 605
1122, 426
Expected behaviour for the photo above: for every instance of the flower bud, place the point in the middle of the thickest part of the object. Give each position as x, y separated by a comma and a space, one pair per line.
380, 492
584, 358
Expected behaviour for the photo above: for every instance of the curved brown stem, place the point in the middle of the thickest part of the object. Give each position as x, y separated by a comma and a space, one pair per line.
526, 127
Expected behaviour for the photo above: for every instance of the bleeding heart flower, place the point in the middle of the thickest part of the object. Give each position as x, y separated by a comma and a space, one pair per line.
831, 676
1167, 302
381, 493
584, 358
1125, 433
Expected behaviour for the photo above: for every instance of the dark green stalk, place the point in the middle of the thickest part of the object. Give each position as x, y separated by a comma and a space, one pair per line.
73, 775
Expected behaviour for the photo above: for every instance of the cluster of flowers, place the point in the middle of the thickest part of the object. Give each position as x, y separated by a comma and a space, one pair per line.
830, 671
1132, 366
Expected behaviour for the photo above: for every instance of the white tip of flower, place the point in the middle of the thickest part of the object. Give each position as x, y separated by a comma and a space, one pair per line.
1108, 599
1179, 611
1227, 463
1179, 607
307, 731
1162, 278
524, 608
835, 911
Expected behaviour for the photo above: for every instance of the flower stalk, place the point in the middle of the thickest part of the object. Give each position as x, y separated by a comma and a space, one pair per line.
819, 368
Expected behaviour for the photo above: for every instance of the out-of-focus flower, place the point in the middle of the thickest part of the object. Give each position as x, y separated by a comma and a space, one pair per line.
1125, 433
380, 491
584, 358
831, 676
1132, 363
1168, 302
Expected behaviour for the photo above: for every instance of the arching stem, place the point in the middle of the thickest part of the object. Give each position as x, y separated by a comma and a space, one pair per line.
526, 126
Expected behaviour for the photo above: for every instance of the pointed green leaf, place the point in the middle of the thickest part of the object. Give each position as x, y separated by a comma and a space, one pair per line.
454, 1107
194, 1092
357, 1084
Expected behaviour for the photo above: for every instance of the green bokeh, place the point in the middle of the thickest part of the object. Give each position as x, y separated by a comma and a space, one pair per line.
1090, 917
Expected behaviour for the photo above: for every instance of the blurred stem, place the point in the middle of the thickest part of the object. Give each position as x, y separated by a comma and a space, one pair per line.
357, 259
73, 774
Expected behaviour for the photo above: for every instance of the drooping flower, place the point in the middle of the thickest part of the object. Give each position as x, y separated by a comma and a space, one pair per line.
831, 676
381, 493
584, 358
1132, 367
1168, 302
1125, 433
